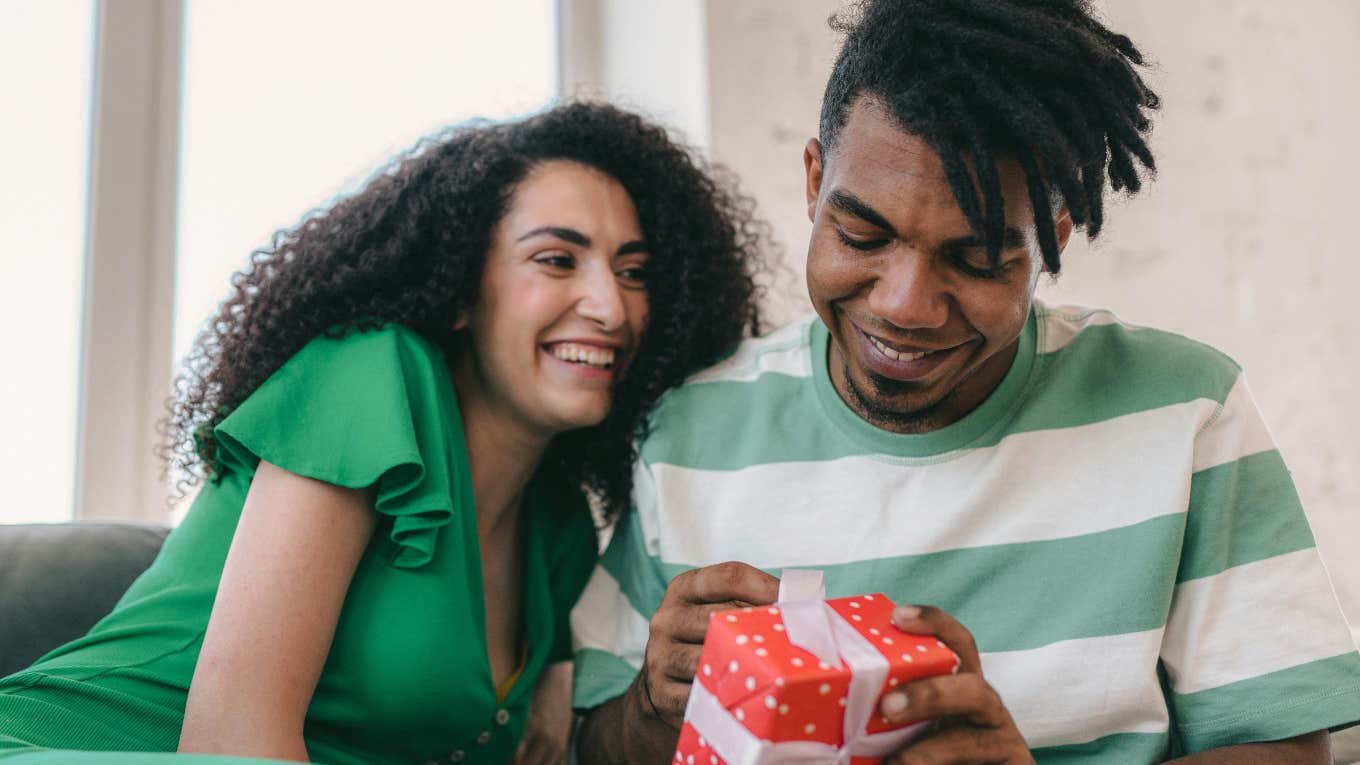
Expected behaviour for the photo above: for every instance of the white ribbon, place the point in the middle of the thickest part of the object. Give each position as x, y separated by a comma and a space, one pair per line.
812, 625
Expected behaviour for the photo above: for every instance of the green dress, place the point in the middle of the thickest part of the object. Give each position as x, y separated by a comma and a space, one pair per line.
407, 679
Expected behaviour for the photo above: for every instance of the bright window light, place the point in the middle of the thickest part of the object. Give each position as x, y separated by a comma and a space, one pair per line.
287, 105
45, 53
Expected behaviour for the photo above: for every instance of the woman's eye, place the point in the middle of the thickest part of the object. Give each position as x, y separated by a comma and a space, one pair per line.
863, 245
635, 276
559, 260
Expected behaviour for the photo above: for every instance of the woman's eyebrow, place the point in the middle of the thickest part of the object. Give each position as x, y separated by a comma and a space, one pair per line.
561, 232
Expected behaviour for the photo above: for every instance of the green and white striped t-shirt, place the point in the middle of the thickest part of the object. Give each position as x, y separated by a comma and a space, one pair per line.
1114, 524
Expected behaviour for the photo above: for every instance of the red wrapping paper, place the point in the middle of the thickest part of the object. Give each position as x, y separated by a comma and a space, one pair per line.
781, 693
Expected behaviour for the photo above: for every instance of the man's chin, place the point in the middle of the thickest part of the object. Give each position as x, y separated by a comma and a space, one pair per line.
896, 405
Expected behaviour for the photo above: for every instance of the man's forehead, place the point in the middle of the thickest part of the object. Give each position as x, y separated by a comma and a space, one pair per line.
872, 138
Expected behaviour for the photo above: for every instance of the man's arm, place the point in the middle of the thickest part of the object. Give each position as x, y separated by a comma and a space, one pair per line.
624, 730
1308, 749
643, 725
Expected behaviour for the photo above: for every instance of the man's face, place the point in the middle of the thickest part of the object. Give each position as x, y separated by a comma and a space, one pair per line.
922, 327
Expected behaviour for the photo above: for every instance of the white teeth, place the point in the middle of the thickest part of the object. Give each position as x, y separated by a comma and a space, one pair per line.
584, 354
898, 355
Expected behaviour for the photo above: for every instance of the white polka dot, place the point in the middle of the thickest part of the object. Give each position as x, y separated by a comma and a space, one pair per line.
731, 617
874, 631
783, 709
773, 610
941, 644
750, 683
713, 759
887, 641
703, 742
762, 653
809, 728
679, 757
746, 610
771, 702
778, 628
921, 648
823, 665
779, 682
868, 597
732, 666
795, 661
892, 681
907, 658
741, 715
758, 638
857, 617
842, 701
708, 671
824, 689
742, 640
854, 604
690, 759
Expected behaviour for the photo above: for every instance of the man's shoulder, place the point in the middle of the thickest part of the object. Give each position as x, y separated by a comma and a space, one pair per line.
767, 374
1095, 342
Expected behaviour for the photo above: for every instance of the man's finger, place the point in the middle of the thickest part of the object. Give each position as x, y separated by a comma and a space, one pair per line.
725, 582
928, 620
679, 661
964, 695
954, 746
686, 623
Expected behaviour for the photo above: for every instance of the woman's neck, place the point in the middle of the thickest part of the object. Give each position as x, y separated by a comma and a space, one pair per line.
502, 452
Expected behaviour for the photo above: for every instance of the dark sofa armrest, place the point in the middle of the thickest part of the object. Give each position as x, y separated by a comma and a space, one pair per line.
57, 580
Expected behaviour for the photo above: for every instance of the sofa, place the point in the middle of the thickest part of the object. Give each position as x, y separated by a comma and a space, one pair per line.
57, 580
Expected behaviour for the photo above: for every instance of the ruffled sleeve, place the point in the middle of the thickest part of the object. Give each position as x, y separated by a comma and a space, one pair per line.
370, 408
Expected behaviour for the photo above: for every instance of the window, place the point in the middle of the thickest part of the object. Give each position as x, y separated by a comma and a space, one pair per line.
284, 108
45, 57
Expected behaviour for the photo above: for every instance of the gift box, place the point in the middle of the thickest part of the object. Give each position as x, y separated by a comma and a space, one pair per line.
801, 681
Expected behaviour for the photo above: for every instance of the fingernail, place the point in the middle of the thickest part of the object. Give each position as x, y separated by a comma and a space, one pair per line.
903, 613
894, 704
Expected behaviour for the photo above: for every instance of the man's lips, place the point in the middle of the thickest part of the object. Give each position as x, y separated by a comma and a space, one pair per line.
899, 361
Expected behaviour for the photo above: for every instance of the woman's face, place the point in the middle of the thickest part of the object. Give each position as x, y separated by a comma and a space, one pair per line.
563, 300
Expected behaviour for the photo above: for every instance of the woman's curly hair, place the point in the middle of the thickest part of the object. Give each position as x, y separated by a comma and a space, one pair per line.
410, 248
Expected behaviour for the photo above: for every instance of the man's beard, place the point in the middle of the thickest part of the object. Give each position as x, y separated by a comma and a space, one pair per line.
866, 405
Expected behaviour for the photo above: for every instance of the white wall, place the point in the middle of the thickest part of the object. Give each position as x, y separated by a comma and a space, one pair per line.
1242, 242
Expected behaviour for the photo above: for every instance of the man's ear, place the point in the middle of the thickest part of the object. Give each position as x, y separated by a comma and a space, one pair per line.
812, 166
1062, 228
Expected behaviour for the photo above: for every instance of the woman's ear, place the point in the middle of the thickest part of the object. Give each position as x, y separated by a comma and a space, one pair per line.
461, 321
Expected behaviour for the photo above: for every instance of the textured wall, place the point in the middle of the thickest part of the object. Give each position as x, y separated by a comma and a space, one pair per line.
1243, 241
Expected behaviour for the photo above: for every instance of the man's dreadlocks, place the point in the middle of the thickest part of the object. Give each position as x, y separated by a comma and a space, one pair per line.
1038, 81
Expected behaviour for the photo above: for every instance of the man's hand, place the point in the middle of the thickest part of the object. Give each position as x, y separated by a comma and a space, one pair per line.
972, 725
679, 625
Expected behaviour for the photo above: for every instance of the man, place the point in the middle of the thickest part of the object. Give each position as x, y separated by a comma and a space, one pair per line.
1093, 516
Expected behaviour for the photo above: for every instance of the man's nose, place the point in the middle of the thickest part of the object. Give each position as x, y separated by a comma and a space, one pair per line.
911, 293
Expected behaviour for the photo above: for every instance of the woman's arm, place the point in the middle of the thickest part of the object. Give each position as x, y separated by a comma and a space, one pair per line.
290, 564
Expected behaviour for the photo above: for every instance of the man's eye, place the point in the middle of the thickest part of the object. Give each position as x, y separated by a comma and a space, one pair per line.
975, 263
863, 245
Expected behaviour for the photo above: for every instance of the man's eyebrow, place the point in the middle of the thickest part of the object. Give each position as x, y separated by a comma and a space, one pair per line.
1012, 239
852, 204
561, 232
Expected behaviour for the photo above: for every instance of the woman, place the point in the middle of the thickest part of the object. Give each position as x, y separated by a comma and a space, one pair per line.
398, 410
